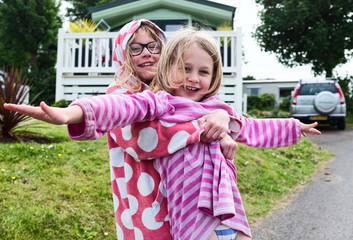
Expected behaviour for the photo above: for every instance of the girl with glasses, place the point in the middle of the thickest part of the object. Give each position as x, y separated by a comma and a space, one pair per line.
136, 184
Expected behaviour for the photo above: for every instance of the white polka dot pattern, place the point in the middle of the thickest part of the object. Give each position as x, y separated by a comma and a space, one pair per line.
133, 204
138, 234
147, 219
117, 157
126, 219
145, 184
177, 141
119, 232
128, 172
116, 202
148, 139
167, 124
132, 153
122, 187
126, 132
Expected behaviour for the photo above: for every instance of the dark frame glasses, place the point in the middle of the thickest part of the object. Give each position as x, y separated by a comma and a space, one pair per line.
153, 47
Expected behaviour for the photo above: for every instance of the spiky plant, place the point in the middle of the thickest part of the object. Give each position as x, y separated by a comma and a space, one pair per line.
83, 25
14, 89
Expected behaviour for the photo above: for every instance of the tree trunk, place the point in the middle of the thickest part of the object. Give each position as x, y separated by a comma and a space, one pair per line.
33, 60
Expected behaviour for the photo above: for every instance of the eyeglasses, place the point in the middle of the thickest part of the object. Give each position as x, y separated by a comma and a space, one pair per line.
153, 47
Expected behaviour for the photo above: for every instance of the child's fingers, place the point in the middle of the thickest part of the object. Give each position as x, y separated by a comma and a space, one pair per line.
22, 109
201, 120
314, 131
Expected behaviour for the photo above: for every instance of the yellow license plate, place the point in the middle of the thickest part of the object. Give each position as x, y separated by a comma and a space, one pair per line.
319, 118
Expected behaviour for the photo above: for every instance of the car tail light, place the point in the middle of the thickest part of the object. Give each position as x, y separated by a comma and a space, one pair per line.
342, 101
294, 101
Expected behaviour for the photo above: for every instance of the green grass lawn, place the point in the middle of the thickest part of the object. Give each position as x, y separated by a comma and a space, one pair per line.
62, 190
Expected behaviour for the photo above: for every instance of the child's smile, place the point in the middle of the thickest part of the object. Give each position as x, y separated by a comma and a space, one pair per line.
191, 89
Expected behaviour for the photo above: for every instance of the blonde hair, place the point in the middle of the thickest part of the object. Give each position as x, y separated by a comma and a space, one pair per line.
172, 57
127, 67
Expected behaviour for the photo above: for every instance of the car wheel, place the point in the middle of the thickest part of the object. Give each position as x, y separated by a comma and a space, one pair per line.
341, 125
325, 102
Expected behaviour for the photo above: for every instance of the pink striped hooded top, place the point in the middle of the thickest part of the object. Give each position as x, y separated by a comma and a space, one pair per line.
147, 106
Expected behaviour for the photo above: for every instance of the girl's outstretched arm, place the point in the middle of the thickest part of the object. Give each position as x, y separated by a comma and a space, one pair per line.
53, 115
309, 128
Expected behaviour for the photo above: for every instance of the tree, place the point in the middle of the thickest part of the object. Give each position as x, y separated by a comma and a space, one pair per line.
28, 40
302, 32
346, 85
80, 8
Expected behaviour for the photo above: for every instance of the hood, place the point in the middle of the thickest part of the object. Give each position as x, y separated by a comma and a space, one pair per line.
124, 36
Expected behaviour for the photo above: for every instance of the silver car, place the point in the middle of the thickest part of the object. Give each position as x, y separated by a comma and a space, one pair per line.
319, 101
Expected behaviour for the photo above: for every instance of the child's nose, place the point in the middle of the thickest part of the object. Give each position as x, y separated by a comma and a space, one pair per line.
192, 77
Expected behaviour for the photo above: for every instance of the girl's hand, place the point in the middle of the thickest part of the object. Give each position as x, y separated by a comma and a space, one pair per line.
309, 128
48, 114
216, 126
228, 146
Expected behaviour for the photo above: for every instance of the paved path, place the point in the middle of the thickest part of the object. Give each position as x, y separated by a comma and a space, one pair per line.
323, 209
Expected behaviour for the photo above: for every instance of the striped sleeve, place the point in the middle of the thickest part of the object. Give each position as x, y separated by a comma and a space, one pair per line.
269, 133
107, 112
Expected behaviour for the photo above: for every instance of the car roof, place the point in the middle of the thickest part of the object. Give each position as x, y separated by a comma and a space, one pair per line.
317, 81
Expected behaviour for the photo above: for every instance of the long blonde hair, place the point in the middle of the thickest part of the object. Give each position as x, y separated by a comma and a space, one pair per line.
127, 67
172, 57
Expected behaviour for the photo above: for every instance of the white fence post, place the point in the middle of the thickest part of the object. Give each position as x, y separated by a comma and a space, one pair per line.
245, 103
59, 66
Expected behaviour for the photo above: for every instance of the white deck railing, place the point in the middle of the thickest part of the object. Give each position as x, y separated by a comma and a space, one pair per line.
84, 63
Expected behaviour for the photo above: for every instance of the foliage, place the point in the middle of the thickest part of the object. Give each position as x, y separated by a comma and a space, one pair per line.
349, 118
272, 113
61, 103
14, 89
225, 26
28, 36
44, 81
264, 106
264, 101
249, 78
83, 25
346, 85
319, 33
62, 190
285, 104
80, 8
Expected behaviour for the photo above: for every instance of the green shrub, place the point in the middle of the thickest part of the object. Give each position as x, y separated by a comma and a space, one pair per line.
61, 103
264, 101
284, 105
268, 100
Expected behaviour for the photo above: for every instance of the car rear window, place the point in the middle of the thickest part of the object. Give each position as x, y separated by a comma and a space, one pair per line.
315, 88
